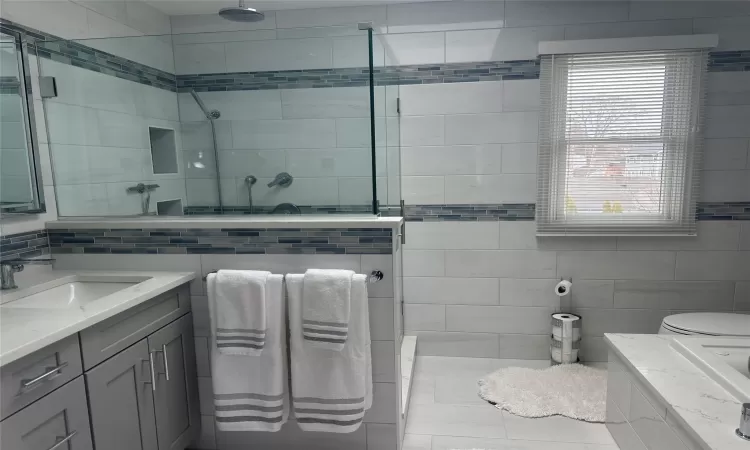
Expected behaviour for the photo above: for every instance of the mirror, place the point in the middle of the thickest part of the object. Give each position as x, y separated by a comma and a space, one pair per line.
20, 174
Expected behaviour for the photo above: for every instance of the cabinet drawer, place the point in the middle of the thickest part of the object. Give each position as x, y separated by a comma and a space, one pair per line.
34, 376
60, 421
113, 335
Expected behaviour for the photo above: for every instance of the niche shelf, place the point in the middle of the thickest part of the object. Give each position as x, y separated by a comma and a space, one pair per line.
163, 150
169, 208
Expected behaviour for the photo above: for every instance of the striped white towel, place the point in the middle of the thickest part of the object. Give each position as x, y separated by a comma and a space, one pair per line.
239, 298
331, 390
250, 391
326, 298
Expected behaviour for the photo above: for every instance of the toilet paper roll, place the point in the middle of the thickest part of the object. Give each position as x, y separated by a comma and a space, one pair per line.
557, 333
557, 356
564, 326
563, 288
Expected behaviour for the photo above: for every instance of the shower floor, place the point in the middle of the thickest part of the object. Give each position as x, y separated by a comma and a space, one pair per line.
445, 413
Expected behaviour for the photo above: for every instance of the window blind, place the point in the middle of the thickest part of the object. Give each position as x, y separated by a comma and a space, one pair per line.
620, 142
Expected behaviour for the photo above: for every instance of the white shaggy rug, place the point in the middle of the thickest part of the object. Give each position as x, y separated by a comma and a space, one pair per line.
570, 390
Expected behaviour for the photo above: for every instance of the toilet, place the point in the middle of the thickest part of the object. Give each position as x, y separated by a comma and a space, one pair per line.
707, 324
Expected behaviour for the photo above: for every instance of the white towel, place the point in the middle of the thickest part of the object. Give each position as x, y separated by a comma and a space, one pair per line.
240, 302
326, 298
250, 392
331, 389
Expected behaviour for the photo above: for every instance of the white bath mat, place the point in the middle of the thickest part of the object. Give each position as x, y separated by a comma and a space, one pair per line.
569, 390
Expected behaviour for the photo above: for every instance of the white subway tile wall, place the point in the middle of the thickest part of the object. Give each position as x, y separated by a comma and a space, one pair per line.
320, 136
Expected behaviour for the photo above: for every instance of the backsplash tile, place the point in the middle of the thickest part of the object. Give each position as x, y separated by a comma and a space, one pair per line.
28, 244
358, 241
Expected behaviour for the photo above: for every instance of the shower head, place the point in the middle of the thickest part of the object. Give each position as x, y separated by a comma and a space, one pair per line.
241, 13
210, 114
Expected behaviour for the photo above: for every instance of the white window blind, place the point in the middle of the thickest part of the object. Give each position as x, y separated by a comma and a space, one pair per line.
620, 142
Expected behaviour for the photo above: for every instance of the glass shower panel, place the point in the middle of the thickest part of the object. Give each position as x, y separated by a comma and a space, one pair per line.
292, 120
113, 126
225, 122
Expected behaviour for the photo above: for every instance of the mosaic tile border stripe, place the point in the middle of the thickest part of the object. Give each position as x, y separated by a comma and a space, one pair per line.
723, 211
359, 76
304, 209
526, 211
28, 244
730, 61
319, 241
470, 213
73, 53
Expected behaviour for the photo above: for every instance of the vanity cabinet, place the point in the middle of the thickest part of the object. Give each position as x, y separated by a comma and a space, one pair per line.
175, 389
121, 401
138, 390
59, 421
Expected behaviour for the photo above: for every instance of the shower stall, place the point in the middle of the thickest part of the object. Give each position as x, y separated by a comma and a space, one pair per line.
233, 117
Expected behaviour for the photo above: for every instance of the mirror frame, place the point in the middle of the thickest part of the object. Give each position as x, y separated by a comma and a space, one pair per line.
37, 204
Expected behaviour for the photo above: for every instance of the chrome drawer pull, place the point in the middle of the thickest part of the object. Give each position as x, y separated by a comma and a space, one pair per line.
166, 364
61, 440
153, 372
25, 384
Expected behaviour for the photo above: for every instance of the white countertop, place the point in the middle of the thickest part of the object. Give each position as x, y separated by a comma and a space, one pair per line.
26, 330
703, 407
259, 221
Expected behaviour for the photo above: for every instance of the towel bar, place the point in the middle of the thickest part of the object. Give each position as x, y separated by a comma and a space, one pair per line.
374, 277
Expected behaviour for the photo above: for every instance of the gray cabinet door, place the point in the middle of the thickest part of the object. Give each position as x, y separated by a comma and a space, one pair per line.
58, 421
121, 401
176, 394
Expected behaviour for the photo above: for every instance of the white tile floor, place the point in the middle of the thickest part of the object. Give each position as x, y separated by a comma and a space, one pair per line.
445, 413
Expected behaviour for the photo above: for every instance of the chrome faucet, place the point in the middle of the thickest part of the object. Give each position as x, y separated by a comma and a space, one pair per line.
283, 179
8, 270
744, 430
145, 191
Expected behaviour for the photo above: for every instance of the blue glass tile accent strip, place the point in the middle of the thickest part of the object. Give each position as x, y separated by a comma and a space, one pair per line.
233, 241
723, 211
359, 76
470, 213
28, 244
729, 61
526, 211
304, 209
73, 53
403, 75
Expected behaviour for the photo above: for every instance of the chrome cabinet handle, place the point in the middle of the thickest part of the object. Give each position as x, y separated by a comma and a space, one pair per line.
25, 384
164, 356
153, 372
63, 439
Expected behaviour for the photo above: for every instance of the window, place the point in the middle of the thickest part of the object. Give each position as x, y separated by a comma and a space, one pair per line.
620, 142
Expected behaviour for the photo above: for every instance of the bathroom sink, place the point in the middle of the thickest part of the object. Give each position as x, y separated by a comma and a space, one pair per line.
724, 359
72, 292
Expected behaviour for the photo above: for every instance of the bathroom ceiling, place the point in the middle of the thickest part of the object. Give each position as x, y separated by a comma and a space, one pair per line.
184, 7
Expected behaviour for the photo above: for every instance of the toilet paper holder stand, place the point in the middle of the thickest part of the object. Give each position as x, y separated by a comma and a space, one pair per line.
564, 307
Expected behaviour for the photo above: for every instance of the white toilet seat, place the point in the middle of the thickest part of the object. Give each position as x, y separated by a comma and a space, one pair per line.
708, 324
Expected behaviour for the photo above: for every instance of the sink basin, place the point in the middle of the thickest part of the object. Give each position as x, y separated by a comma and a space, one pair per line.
723, 359
73, 292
